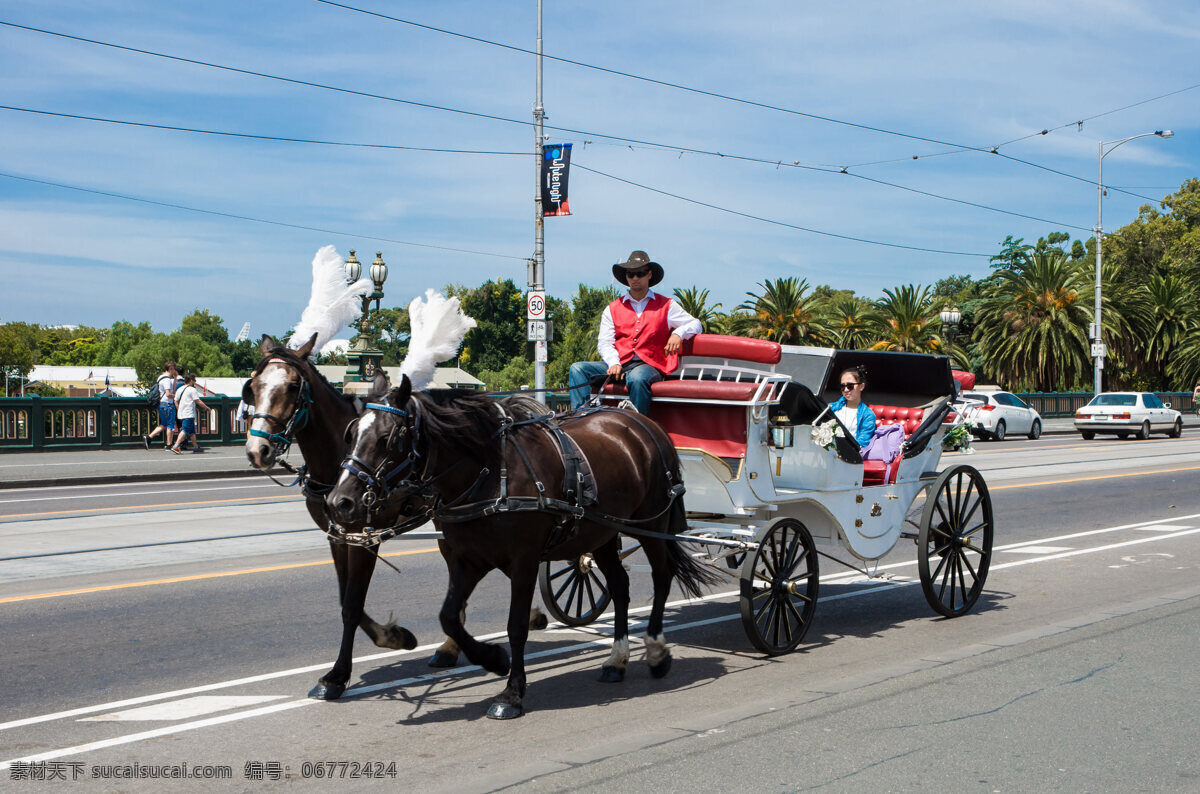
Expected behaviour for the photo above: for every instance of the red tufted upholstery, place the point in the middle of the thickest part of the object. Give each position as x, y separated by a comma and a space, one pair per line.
909, 419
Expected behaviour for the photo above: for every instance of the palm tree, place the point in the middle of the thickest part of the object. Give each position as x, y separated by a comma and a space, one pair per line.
1168, 321
694, 301
783, 313
850, 321
907, 321
1031, 327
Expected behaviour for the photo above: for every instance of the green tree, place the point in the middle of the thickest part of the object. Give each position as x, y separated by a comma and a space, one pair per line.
575, 331
516, 374
208, 327
852, 322
16, 359
907, 321
499, 309
783, 313
121, 338
694, 301
188, 351
1031, 328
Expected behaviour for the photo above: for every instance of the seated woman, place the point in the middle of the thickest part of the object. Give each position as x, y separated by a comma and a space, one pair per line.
851, 411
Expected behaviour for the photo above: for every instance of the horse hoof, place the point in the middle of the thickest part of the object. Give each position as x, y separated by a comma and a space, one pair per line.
496, 661
398, 638
323, 691
443, 659
504, 711
612, 675
661, 669
539, 621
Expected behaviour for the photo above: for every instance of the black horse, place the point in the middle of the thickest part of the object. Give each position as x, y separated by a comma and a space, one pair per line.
493, 477
293, 402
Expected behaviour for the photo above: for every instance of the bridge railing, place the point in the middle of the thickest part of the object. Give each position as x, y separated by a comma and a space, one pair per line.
1064, 404
57, 423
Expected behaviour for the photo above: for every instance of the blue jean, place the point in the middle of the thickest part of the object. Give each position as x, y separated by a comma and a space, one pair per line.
638, 377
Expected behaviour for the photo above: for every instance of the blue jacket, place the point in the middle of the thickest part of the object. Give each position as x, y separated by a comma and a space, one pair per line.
866, 420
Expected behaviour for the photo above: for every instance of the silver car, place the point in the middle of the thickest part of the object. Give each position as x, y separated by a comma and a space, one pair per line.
1127, 413
999, 413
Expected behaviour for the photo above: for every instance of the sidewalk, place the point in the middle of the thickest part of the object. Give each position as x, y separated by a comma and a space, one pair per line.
92, 467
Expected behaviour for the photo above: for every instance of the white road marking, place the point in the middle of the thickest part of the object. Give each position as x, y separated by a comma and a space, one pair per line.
363, 690
1039, 549
184, 709
1163, 528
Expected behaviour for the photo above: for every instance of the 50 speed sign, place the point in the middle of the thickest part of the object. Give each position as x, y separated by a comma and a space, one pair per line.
536, 305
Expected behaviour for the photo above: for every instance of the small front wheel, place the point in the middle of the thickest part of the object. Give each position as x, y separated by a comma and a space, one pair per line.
954, 547
1000, 431
1088, 435
1143, 432
779, 587
1176, 429
573, 591
1035, 432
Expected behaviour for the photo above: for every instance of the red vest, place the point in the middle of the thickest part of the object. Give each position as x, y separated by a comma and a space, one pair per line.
645, 335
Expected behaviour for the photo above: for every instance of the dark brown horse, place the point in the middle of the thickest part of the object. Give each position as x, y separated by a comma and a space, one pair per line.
493, 479
293, 402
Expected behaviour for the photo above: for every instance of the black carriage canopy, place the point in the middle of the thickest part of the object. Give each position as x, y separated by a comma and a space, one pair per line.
908, 380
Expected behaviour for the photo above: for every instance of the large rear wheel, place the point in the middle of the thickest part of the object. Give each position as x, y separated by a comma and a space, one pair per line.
954, 547
1143, 432
779, 587
573, 590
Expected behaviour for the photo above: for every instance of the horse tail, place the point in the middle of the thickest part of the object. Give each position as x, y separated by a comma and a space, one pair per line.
691, 575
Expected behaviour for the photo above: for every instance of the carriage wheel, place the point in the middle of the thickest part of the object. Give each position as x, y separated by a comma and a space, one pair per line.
956, 537
779, 587
574, 592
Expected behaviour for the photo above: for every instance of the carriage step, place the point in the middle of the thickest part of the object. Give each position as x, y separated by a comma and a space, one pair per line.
910, 535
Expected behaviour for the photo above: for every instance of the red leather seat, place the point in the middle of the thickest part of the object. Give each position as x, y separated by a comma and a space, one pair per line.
910, 420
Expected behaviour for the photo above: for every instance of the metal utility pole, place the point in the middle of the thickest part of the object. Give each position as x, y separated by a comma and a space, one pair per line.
536, 275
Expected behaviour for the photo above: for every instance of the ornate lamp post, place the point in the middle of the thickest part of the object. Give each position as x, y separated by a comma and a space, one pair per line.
363, 362
950, 317
1097, 335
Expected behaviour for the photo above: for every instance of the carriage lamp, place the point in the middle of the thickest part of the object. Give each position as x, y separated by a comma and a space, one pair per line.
950, 318
783, 435
353, 268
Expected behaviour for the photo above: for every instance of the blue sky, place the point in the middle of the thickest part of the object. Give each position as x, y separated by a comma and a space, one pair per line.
967, 74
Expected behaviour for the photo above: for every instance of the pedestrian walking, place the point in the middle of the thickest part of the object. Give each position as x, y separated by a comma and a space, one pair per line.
186, 401
166, 387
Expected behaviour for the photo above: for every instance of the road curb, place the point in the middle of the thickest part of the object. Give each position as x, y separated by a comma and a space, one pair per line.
111, 479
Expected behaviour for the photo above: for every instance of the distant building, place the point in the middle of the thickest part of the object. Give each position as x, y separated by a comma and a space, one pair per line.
87, 381
443, 377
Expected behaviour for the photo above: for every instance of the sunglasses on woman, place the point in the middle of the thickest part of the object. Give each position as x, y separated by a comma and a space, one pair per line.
850, 386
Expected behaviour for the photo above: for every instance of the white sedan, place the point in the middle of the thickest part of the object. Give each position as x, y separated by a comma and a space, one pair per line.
1127, 413
999, 413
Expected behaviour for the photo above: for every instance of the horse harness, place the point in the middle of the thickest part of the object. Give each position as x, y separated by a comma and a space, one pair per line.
579, 489
282, 441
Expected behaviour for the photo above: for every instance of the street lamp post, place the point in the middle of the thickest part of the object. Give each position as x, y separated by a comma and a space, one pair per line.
950, 318
1105, 148
362, 361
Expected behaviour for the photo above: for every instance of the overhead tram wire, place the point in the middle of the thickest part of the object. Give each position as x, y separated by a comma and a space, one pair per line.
576, 164
661, 147
252, 219
957, 148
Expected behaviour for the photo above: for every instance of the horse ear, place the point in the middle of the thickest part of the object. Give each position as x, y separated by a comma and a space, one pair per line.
351, 426
379, 386
398, 397
306, 349
267, 344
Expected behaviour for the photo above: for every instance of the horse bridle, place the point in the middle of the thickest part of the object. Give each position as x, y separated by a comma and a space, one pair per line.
282, 441
377, 481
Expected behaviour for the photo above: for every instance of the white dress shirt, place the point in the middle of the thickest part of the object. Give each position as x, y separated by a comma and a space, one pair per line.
679, 321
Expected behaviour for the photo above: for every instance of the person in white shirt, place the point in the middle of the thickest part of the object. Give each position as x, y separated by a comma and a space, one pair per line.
186, 400
166, 406
640, 335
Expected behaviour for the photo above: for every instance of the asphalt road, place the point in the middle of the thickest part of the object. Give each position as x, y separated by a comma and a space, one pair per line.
1076, 671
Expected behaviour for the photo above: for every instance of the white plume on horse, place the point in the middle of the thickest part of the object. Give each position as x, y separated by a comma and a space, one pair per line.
438, 327
333, 304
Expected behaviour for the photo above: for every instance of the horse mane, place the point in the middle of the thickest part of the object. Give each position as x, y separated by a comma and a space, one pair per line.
468, 419
304, 365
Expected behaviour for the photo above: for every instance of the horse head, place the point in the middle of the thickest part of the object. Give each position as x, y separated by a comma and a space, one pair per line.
374, 481
280, 395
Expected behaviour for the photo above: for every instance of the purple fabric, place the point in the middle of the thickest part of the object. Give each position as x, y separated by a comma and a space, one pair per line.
884, 444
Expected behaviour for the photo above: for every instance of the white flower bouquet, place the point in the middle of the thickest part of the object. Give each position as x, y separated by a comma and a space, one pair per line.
826, 435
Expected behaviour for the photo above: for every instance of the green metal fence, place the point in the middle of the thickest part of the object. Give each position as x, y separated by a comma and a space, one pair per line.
1064, 404
57, 423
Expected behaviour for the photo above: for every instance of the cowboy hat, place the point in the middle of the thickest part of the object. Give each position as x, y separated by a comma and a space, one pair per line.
638, 260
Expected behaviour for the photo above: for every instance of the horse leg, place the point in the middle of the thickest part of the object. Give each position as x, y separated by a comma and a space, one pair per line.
446, 654
463, 578
360, 564
658, 655
608, 560
509, 704
387, 635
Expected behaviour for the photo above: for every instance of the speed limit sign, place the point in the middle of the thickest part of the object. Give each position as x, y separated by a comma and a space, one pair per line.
536, 305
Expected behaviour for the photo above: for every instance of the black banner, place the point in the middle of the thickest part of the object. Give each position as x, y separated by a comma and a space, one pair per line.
556, 165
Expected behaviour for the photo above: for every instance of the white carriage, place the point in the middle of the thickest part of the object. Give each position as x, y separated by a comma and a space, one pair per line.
762, 490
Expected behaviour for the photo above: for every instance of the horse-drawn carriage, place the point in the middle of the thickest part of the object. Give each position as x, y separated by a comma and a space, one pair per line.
762, 488
510, 488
